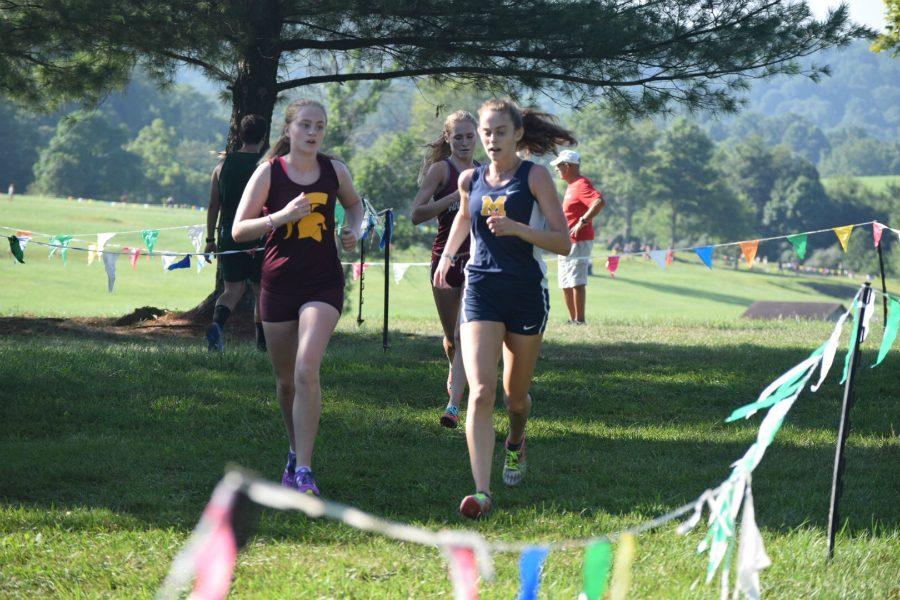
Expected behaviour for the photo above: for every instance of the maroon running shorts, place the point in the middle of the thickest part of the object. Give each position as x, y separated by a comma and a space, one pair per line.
275, 307
456, 276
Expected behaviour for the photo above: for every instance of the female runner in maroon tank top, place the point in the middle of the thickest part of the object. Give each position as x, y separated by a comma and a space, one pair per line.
447, 157
295, 191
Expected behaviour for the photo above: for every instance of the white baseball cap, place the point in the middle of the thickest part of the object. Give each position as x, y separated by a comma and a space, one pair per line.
567, 156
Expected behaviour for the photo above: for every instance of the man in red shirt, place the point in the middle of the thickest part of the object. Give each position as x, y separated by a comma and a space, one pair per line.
581, 203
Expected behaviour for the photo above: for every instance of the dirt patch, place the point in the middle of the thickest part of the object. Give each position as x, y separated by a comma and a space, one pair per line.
146, 323
144, 313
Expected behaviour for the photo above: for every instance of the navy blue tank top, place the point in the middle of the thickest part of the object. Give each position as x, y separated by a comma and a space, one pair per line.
508, 256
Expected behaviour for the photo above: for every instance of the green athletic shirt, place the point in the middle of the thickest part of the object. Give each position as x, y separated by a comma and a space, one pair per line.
233, 177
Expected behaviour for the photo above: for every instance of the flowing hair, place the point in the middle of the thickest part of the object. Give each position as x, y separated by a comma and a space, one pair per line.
543, 133
439, 149
283, 145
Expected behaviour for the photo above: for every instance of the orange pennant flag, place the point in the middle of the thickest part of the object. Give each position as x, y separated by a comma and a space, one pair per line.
843, 234
670, 257
749, 250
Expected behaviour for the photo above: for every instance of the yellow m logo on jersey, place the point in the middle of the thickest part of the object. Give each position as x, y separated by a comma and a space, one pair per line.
313, 224
493, 207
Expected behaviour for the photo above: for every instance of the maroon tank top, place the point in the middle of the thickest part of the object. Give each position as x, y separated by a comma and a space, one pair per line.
302, 255
445, 219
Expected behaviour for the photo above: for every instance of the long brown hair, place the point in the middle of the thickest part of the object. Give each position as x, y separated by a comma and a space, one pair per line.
543, 133
439, 149
283, 145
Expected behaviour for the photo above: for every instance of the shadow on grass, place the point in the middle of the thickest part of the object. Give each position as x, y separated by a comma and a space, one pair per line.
690, 292
637, 428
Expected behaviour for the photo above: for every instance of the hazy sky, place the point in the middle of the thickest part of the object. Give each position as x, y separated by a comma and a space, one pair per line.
865, 12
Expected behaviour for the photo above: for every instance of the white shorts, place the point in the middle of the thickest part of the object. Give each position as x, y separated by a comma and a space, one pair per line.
573, 269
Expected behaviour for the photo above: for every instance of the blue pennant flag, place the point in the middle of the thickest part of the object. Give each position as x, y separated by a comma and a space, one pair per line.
705, 253
530, 565
184, 263
388, 228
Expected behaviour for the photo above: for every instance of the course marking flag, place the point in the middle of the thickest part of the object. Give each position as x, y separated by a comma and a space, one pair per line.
748, 249
843, 234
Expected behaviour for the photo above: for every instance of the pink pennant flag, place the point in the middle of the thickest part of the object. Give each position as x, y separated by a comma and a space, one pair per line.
877, 230
135, 254
214, 561
358, 271
463, 573
612, 264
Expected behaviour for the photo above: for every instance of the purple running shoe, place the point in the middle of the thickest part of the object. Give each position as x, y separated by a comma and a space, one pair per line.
305, 482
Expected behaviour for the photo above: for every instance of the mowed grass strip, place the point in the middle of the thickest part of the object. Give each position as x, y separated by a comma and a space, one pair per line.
112, 446
641, 292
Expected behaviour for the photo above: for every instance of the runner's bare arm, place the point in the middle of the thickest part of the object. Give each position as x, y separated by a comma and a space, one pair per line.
423, 208
212, 212
556, 237
353, 206
248, 224
458, 231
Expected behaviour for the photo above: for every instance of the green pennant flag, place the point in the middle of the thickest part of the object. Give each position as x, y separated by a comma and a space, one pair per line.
791, 386
150, 236
16, 249
597, 562
60, 243
798, 241
852, 346
890, 331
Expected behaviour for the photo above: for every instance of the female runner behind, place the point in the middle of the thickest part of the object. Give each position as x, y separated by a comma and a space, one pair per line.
512, 209
438, 196
291, 198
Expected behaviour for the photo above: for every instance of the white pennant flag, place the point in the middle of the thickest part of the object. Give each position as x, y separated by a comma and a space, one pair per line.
196, 232
102, 238
830, 350
109, 261
659, 256
167, 261
399, 271
752, 557
868, 311
92, 253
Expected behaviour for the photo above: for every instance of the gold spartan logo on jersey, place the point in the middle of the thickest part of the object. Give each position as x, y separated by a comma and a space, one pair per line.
493, 207
313, 224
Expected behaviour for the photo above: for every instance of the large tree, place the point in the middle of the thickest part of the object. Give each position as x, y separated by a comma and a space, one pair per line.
618, 156
640, 56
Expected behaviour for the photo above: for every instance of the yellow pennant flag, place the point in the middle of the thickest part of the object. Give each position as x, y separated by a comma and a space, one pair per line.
843, 234
621, 578
749, 250
92, 253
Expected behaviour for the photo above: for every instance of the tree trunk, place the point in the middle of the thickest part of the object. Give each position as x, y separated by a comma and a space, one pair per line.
674, 224
629, 219
254, 91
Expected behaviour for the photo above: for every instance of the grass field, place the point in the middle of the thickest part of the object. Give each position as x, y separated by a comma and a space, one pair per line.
877, 183
113, 439
640, 291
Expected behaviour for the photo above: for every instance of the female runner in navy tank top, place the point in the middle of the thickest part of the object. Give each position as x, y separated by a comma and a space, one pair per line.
438, 196
513, 211
295, 191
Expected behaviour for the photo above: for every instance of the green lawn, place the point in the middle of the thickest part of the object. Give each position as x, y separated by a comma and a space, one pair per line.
640, 291
876, 183
112, 440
